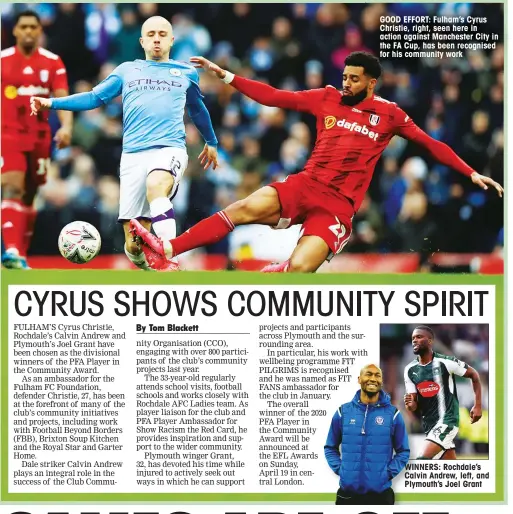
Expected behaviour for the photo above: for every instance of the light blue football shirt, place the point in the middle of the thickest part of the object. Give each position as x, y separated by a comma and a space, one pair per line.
154, 96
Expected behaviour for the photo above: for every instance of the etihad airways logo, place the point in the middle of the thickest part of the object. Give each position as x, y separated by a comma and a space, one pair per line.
331, 121
154, 84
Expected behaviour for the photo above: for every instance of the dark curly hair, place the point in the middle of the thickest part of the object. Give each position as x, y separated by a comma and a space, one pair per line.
370, 63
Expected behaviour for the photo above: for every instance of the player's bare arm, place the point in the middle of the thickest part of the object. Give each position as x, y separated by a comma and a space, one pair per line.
64, 133
476, 411
410, 401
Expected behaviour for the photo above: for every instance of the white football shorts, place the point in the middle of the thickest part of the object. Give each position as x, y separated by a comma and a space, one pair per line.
443, 435
133, 170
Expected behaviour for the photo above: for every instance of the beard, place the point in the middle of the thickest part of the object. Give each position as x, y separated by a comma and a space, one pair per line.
376, 391
28, 46
422, 351
356, 98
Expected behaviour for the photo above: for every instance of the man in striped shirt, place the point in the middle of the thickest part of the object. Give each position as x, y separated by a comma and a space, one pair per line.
431, 387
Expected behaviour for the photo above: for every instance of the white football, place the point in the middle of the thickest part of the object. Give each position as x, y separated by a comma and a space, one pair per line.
79, 242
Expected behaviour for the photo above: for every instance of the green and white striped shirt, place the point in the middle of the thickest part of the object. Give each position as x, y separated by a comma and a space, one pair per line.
435, 386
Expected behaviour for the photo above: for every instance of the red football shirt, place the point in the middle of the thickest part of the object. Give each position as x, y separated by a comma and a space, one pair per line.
22, 77
350, 139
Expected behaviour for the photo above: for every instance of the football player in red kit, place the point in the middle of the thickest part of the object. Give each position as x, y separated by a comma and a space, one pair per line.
354, 126
27, 70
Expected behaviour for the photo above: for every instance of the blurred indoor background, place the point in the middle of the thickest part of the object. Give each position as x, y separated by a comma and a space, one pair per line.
417, 215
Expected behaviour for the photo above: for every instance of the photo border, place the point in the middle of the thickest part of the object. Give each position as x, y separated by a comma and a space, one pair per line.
130, 278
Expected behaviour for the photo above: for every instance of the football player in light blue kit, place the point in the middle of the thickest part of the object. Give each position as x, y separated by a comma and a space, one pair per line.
155, 93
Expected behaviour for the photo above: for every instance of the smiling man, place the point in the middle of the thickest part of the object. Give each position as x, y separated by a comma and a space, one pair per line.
367, 445
431, 388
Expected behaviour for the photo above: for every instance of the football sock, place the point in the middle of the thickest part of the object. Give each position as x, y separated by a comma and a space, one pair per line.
139, 260
163, 219
14, 223
206, 232
29, 229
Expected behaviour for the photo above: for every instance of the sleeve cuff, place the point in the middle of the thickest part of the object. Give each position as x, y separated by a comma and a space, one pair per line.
228, 77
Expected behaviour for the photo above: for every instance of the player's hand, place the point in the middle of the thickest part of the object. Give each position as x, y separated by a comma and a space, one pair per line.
483, 182
408, 399
208, 156
475, 414
409, 402
63, 138
39, 104
201, 62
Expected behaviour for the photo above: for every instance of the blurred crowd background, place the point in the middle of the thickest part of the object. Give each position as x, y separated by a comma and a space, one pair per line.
413, 205
470, 344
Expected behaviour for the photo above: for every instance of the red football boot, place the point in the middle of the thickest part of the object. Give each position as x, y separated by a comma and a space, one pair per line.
276, 268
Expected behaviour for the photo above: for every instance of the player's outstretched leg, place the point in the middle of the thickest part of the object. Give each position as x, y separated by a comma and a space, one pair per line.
309, 254
164, 225
262, 207
143, 258
159, 186
207, 231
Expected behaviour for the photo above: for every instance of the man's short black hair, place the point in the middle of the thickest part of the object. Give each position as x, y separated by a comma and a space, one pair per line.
370, 63
426, 329
27, 12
